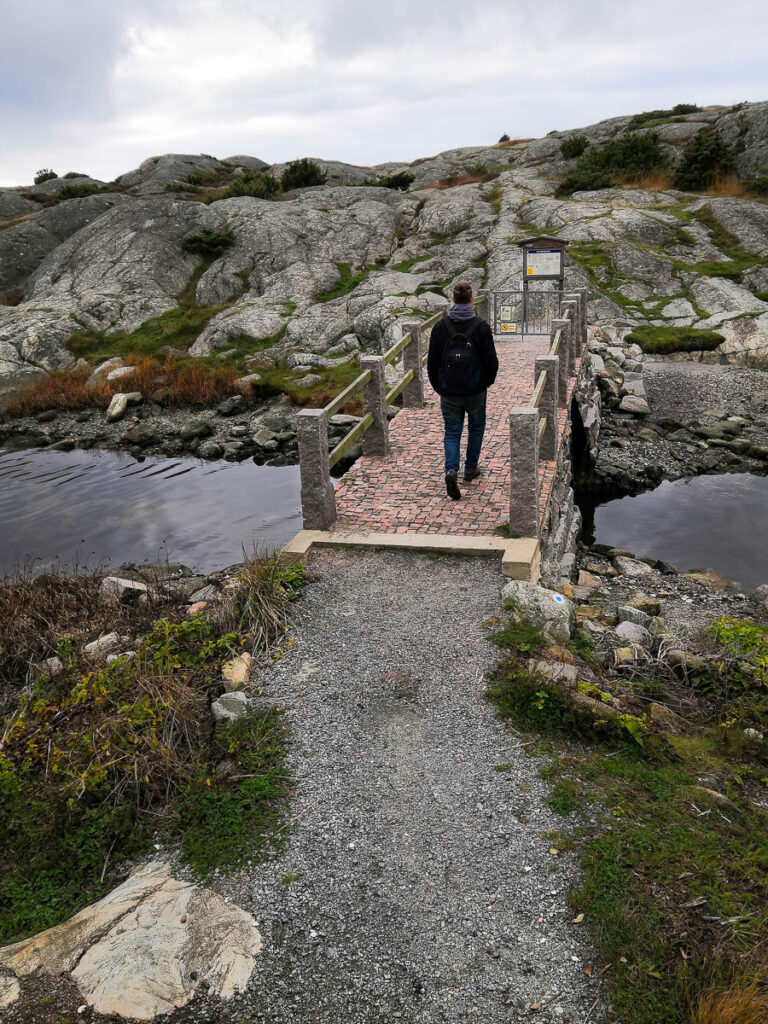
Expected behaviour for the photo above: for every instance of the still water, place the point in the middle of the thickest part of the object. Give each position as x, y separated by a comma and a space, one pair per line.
105, 508
714, 522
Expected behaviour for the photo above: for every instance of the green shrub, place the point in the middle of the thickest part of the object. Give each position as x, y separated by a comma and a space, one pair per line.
209, 243
75, 174
623, 159
400, 181
250, 183
685, 108
653, 118
504, 138
477, 168
301, 174
706, 158
44, 174
573, 146
81, 191
674, 339
758, 185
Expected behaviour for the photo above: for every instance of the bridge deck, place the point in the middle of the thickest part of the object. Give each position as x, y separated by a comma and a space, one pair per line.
404, 493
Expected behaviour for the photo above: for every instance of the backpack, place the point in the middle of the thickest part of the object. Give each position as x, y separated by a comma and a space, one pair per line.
460, 369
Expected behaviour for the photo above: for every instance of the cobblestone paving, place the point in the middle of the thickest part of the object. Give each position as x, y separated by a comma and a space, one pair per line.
405, 492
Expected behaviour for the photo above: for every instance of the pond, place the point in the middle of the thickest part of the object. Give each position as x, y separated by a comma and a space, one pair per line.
104, 508
717, 522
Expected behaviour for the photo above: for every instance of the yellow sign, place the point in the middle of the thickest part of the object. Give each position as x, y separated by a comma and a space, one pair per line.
509, 328
530, 270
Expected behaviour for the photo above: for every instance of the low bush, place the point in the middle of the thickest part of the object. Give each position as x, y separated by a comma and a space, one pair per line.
504, 138
654, 118
81, 191
210, 242
346, 282
620, 160
400, 181
249, 183
758, 186
707, 157
662, 340
75, 174
44, 174
573, 146
301, 174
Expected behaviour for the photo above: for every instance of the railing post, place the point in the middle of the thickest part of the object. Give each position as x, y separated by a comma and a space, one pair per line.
318, 503
548, 405
584, 292
570, 308
413, 393
564, 358
524, 471
376, 438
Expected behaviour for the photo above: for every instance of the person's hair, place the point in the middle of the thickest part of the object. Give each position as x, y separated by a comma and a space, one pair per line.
462, 292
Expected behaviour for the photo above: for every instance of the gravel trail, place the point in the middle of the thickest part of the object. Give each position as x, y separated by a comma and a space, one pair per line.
416, 885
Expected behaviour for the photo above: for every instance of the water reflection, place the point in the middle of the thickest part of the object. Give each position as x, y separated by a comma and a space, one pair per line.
98, 506
718, 522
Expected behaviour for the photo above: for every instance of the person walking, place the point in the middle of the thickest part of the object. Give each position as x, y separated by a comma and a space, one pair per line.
461, 365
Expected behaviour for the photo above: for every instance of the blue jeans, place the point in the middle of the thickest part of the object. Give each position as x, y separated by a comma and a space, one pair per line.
453, 410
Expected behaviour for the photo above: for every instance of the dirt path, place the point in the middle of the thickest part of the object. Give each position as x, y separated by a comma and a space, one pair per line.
417, 885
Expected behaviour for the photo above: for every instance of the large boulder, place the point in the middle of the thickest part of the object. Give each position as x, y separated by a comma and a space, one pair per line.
550, 611
146, 948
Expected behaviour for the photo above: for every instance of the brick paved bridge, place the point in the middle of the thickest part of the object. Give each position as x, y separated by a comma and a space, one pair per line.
394, 494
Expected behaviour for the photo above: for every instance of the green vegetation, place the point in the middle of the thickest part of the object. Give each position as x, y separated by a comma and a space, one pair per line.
654, 118
98, 760
81, 191
301, 174
758, 185
44, 174
738, 259
623, 159
347, 281
249, 183
406, 265
706, 158
281, 379
209, 243
504, 138
674, 339
573, 146
400, 181
75, 174
492, 196
673, 874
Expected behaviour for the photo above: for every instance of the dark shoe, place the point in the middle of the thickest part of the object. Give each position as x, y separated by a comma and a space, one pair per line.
472, 474
452, 486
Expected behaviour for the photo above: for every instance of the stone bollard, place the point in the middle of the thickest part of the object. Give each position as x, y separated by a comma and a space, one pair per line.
524, 471
548, 405
376, 437
564, 356
413, 393
318, 504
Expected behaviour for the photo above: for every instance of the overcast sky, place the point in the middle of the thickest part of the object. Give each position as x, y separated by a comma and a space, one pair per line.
100, 85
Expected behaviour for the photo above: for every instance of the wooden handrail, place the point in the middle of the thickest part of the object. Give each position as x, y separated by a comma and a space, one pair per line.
341, 399
538, 391
392, 353
542, 427
346, 442
399, 387
556, 342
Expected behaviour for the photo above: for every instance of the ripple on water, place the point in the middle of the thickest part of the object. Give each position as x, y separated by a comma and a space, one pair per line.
718, 522
97, 506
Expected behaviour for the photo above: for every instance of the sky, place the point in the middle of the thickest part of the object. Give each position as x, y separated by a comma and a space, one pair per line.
98, 86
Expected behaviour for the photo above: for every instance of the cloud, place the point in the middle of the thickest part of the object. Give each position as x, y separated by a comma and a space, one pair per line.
100, 87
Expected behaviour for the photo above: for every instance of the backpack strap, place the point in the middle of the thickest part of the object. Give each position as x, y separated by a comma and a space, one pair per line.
455, 327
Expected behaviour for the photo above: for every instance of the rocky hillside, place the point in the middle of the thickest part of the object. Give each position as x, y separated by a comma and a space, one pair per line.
321, 272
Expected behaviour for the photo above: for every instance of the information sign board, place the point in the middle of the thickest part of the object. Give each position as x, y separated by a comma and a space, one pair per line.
543, 262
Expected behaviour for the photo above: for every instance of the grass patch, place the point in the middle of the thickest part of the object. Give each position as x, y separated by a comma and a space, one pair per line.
98, 759
406, 265
281, 379
654, 118
346, 282
674, 339
673, 881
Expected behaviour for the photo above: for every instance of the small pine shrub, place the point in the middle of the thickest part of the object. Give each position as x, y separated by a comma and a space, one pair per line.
573, 146
301, 174
758, 186
685, 108
209, 243
81, 191
624, 159
250, 183
504, 138
707, 157
75, 174
44, 174
400, 181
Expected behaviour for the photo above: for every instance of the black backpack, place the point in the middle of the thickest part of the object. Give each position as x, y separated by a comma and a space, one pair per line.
460, 369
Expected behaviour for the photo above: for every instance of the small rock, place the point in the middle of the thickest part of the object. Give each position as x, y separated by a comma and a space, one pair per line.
712, 796
634, 404
195, 428
121, 371
197, 608
634, 634
232, 406
626, 613
662, 716
142, 434
230, 706
710, 578
237, 672
207, 593
587, 579
552, 612
100, 372
558, 672
632, 566
684, 663
754, 734
117, 407
10, 991
209, 450
115, 588
103, 646
51, 667
649, 605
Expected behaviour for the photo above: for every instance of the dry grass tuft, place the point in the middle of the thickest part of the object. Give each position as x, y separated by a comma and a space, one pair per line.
656, 181
60, 389
259, 601
462, 179
511, 142
745, 1002
14, 296
729, 187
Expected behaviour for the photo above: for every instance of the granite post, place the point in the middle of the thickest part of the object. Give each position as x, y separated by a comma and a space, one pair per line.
376, 437
318, 504
564, 357
548, 406
524, 471
413, 393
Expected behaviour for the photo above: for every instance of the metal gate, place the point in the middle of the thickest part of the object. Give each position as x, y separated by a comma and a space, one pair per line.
524, 311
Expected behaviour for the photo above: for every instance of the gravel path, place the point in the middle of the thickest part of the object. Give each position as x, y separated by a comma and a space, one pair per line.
426, 891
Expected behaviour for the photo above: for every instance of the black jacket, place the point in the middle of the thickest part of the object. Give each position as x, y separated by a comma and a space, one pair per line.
482, 338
